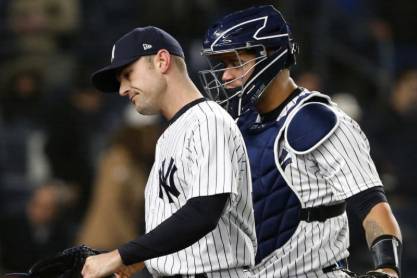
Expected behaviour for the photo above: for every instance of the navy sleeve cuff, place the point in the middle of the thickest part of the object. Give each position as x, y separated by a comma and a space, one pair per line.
132, 252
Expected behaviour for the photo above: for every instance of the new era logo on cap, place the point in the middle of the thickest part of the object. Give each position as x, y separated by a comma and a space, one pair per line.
146, 46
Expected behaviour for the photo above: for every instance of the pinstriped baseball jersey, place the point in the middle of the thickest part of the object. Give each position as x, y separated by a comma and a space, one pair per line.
333, 171
202, 153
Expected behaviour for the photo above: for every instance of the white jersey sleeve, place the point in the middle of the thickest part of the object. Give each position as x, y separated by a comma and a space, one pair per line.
215, 154
344, 160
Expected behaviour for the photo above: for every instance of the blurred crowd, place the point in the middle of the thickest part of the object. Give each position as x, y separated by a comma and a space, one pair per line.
74, 162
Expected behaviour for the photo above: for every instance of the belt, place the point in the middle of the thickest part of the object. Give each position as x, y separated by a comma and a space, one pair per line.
322, 213
198, 275
341, 264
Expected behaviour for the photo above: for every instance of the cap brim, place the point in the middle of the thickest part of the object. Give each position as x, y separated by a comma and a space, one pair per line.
105, 79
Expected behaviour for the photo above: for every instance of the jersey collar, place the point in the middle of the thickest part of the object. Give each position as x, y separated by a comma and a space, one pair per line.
185, 108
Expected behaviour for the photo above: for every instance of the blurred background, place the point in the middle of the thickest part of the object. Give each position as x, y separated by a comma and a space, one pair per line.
74, 162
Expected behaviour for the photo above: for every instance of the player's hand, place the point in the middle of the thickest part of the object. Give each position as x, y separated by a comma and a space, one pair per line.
102, 265
129, 270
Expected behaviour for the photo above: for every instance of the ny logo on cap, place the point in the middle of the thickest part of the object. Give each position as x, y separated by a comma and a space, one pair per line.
112, 53
146, 46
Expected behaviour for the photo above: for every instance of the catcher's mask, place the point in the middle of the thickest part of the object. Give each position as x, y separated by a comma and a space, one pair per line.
261, 31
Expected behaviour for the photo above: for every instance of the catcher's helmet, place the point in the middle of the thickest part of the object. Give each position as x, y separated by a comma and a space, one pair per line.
261, 30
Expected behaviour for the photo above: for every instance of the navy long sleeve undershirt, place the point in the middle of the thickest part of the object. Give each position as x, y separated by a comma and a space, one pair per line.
195, 219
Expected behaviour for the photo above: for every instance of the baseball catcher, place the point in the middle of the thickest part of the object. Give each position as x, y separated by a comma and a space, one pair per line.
308, 158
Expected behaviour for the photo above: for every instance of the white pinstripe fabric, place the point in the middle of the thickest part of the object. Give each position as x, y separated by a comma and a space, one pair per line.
210, 156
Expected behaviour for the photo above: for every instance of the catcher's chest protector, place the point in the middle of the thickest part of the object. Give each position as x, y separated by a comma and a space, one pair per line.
275, 204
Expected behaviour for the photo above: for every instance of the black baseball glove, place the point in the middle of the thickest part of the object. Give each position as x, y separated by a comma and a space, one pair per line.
67, 264
369, 274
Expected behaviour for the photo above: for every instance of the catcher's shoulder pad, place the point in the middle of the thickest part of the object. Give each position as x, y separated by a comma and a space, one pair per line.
309, 126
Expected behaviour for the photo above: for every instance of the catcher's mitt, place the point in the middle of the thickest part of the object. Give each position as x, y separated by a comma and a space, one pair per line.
67, 264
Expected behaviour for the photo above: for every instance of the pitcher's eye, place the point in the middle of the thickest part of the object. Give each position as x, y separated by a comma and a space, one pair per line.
126, 76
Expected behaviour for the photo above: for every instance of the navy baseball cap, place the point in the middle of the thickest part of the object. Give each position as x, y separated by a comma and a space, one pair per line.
133, 45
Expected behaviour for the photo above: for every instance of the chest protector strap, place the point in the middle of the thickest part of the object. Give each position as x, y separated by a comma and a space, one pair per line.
322, 213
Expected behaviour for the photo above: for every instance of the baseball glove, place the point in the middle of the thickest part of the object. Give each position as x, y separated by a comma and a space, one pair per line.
369, 274
67, 264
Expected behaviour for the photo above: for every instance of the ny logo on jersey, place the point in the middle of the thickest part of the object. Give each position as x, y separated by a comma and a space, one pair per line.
164, 177
284, 159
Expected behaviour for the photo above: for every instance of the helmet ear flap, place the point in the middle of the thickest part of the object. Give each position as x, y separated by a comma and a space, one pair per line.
293, 48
